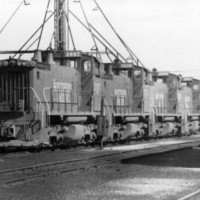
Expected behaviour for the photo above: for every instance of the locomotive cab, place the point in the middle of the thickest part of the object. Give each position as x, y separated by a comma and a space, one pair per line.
173, 83
167, 104
129, 83
193, 116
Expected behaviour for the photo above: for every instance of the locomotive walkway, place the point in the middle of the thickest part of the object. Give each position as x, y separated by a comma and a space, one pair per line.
89, 159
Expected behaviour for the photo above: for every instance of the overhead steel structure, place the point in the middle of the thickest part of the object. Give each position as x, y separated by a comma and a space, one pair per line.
60, 25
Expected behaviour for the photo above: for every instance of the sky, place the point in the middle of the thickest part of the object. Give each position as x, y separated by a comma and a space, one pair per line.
164, 34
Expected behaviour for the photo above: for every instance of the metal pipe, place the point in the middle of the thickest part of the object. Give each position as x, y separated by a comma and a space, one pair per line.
70, 33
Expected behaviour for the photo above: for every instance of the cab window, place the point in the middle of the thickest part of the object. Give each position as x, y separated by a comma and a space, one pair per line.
87, 66
137, 74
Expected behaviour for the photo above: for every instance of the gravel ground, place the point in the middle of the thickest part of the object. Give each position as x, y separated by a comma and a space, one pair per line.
167, 176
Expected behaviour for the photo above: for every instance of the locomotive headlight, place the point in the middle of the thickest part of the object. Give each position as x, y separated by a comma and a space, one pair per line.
12, 63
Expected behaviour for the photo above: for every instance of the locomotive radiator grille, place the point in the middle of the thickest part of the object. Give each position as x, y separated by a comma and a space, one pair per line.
14, 90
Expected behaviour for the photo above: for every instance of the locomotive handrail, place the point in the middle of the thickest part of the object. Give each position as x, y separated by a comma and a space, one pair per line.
110, 113
49, 110
39, 102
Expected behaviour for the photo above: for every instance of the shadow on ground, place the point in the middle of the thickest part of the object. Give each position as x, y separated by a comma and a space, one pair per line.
189, 158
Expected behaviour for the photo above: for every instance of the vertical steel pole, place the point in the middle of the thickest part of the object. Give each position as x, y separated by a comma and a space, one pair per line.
60, 25
68, 25
6, 88
1, 78
10, 85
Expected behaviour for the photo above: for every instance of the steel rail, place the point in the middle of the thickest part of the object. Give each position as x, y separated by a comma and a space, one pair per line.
192, 196
67, 166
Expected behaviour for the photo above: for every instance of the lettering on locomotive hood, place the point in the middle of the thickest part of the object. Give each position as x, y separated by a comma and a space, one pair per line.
62, 92
120, 92
62, 86
160, 96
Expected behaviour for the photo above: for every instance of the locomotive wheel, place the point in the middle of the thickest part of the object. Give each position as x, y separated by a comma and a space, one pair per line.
38, 149
53, 148
3, 150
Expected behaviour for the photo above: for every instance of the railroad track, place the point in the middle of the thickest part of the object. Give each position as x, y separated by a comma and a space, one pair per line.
192, 196
20, 175
37, 149
108, 157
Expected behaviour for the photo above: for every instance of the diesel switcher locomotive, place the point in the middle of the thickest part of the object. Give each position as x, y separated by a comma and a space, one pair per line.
82, 98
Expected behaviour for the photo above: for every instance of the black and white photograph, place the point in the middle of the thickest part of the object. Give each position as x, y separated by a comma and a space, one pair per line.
99, 99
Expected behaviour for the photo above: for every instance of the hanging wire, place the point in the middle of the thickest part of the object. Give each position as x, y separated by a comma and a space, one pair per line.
21, 54
133, 56
95, 35
107, 42
45, 16
70, 32
97, 50
29, 46
107, 53
23, 2
68, 29
34, 34
37, 30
